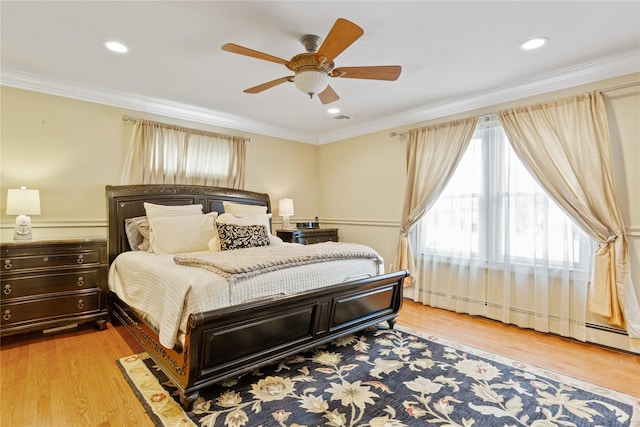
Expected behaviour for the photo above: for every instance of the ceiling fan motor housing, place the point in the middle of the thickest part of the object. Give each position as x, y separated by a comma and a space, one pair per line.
308, 61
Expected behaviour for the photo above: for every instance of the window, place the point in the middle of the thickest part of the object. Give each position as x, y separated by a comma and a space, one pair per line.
493, 209
167, 154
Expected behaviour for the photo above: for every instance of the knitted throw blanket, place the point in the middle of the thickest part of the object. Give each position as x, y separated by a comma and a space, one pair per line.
248, 262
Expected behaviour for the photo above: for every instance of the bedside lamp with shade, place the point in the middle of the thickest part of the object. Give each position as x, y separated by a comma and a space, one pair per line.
285, 209
23, 202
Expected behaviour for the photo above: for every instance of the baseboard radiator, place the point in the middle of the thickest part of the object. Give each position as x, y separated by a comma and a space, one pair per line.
598, 329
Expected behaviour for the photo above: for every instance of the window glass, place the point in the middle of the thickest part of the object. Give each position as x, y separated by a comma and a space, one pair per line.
493, 209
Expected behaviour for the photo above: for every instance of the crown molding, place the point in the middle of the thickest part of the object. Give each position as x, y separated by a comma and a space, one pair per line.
589, 72
163, 107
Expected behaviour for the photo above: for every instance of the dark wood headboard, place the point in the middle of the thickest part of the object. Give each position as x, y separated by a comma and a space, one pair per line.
127, 201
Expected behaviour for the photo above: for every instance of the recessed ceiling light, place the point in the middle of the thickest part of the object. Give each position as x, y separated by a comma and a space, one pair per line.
333, 110
534, 43
116, 47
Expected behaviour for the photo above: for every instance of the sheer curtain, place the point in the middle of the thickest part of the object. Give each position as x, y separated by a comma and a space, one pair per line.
566, 145
166, 154
495, 245
433, 152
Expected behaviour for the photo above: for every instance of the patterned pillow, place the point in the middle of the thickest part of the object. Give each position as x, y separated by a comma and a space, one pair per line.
234, 236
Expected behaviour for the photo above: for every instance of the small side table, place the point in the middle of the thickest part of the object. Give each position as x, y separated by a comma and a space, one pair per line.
308, 236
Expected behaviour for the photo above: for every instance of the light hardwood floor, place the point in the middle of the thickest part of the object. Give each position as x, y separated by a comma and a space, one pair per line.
71, 379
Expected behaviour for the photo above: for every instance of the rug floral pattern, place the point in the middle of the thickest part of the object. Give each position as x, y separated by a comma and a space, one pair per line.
387, 378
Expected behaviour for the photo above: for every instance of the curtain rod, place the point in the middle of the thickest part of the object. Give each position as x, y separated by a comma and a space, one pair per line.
485, 118
128, 118
489, 116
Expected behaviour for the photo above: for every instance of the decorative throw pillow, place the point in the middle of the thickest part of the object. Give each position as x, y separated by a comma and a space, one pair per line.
181, 234
234, 236
246, 219
241, 208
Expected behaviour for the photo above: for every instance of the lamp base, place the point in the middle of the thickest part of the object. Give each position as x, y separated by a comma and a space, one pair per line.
23, 228
286, 222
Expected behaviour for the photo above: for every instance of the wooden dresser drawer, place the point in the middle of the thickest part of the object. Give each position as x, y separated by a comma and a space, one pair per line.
38, 284
55, 283
44, 309
49, 258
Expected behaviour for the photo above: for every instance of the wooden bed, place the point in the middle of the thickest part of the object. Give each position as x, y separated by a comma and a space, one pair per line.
231, 341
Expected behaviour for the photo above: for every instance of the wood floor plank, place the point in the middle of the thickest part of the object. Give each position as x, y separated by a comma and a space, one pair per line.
72, 379
606, 367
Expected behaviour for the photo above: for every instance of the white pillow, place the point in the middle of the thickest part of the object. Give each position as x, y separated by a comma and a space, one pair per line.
275, 241
168, 210
246, 219
242, 209
181, 234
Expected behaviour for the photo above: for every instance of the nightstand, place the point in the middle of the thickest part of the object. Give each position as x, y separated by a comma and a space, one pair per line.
49, 284
307, 236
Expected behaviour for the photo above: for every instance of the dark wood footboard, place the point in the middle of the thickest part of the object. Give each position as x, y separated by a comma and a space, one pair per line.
231, 341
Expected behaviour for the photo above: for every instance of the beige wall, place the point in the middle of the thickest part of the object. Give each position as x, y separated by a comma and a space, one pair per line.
70, 149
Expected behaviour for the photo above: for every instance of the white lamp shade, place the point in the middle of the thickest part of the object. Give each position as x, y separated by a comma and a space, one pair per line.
23, 202
285, 207
311, 82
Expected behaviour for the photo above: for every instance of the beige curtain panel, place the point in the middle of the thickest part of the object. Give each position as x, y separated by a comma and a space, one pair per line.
433, 153
565, 144
160, 153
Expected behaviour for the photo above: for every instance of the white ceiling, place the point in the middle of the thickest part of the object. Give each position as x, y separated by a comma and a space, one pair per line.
455, 56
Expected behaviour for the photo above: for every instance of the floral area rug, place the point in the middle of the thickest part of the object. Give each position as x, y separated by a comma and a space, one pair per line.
390, 378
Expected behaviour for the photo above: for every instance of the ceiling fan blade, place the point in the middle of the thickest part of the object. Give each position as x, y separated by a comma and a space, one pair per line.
234, 48
383, 72
342, 35
268, 85
328, 96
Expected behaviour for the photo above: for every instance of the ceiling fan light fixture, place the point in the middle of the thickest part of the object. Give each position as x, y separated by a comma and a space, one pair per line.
311, 82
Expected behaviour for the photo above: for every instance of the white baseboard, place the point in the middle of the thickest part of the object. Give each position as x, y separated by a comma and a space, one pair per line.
596, 333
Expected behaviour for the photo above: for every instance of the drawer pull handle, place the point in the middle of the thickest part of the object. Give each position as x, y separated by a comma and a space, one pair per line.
45, 259
7, 264
7, 289
80, 259
7, 315
80, 304
80, 281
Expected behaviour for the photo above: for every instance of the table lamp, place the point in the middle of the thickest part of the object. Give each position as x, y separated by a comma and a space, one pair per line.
23, 202
285, 209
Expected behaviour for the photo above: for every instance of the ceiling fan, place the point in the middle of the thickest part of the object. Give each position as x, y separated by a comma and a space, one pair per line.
313, 69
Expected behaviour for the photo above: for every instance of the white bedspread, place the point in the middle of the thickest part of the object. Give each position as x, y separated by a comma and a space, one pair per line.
167, 292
